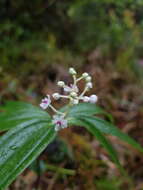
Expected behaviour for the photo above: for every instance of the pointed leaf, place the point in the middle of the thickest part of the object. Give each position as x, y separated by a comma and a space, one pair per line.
14, 113
108, 128
100, 137
20, 146
84, 109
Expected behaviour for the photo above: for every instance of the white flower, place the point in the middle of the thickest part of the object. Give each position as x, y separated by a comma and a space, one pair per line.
59, 122
56, 96
74, 101
72, 94
86, 99
72, 71
84, 75
88, 79
93, 99
61, 83
45, 102
89, 85
75, 88
67, 89
71, 88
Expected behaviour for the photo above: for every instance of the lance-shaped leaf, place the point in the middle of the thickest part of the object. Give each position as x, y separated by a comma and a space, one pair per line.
85, 109
14, 113
99, 136
20, 146
108, 128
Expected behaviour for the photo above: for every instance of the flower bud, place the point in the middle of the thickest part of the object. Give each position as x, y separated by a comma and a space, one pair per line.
72, 71
75, 101
89, 85
86, 99
61, 83
88, 79
56, 96
93, 99
84, 75
67, 89
73, 94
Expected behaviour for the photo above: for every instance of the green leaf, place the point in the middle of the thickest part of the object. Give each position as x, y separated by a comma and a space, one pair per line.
15, 113
100, 137
86, 109
108, 128
20, 146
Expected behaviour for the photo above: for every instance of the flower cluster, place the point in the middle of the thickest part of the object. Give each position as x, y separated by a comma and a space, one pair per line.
72, 94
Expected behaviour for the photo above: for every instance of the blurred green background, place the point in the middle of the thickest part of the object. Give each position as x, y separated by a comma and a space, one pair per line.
40, 39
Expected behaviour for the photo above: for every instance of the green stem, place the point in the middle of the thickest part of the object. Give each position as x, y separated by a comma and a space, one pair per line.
74, 80
68, 108
56, 111
84, 91
79, 79
60, 170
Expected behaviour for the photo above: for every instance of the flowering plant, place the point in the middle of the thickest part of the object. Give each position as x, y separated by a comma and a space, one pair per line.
59, 120
30, 129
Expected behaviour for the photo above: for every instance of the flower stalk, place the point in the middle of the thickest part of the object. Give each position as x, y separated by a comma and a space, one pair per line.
72, 94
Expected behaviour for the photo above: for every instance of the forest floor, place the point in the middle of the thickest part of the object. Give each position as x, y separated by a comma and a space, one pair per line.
87, 165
